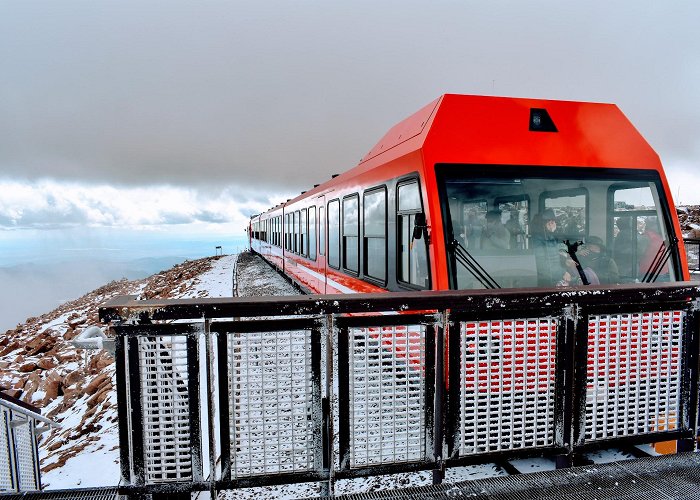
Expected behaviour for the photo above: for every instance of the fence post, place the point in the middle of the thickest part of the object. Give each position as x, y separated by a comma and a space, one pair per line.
567, 411
438, 362
692, 370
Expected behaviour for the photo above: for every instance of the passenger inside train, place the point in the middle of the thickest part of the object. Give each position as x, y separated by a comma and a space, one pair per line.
529, 221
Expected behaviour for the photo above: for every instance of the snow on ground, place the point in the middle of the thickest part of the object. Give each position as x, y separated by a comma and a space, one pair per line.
216, 282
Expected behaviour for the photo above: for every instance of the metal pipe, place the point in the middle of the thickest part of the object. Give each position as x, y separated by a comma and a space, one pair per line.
94, 338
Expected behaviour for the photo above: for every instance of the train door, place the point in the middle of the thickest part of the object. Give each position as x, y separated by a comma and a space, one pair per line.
322, 261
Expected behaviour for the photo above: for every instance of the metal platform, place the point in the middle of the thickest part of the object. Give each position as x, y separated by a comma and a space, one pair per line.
663, 477
109, 493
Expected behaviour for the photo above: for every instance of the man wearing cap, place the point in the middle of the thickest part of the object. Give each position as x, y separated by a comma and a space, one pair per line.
594, 255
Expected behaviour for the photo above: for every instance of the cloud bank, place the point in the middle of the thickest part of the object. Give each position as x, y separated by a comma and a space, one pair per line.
50, 204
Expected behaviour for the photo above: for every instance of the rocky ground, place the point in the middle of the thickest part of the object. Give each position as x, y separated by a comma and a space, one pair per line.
689, 217
75, 387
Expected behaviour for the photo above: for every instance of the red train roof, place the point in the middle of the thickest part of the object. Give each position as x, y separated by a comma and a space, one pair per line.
496, 130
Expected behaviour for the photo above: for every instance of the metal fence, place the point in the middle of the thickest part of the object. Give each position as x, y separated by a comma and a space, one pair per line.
319, 388
692, 251
20, 425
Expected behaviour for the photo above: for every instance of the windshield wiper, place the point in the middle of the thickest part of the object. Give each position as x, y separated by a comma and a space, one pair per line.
660, 260
571, 250
470, 264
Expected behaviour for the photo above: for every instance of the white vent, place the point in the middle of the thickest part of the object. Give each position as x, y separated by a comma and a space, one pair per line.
5, 450
270, 403
165, 403
507, 384
387, 395
634, 373
25, 454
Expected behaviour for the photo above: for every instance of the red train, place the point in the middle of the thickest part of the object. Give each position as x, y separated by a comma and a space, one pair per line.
485, 192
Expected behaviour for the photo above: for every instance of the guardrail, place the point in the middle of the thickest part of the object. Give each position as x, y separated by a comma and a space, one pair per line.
320, 388
20, 425
692, 251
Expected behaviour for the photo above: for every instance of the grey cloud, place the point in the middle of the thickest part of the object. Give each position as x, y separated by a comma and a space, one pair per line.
244, 94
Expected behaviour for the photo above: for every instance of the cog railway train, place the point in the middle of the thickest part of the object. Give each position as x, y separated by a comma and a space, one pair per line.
478, 192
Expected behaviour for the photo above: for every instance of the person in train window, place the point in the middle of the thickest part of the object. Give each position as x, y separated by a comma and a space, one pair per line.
650, 244
548, 246
624, 249
572, 276
495, 235
593, 255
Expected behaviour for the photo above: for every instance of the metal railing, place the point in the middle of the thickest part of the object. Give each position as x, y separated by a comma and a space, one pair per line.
20, 424
320, 388
692, 252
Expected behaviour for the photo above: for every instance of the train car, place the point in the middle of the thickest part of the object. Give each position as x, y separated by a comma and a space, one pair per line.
485, 192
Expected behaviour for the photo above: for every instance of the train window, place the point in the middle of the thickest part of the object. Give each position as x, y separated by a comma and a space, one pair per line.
351, 229
374, 234
638, 233
597, 211
312, 233
515, 215
334, 234
321, 231
413, 255
570, 206
286, 232
303, 232
296, 232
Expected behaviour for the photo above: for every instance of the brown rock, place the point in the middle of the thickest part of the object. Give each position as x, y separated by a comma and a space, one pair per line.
76, 322
31, 385
46, 363
28, 367
73, 378
67, 357
54, 446
70, 334
98, 398
51, 385
13, 346
14, 393
93, 386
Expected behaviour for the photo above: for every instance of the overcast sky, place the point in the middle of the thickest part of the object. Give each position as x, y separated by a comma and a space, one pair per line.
154, 113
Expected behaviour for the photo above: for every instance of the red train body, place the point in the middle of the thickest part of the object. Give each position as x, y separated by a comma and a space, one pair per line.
459, 195
486, 192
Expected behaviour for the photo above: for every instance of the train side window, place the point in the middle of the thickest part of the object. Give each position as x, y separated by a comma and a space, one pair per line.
351, 229
516, 212
302, 238
312, 233
374, 234
334, 234
321, 231
413, 255
296, 231
286, 232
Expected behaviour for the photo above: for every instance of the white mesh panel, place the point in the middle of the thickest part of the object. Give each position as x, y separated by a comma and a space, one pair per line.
387, 396
634, 373
5, 450
270, 387
24, 447
507, 384
165, 403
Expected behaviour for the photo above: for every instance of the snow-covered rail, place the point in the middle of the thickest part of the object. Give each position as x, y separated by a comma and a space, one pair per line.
319, 388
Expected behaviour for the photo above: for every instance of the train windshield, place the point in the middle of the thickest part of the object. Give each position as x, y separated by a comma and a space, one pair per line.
511, 227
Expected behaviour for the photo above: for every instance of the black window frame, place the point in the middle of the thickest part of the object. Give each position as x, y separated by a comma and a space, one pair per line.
373, 279
343, 244
336, 202
414, 178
